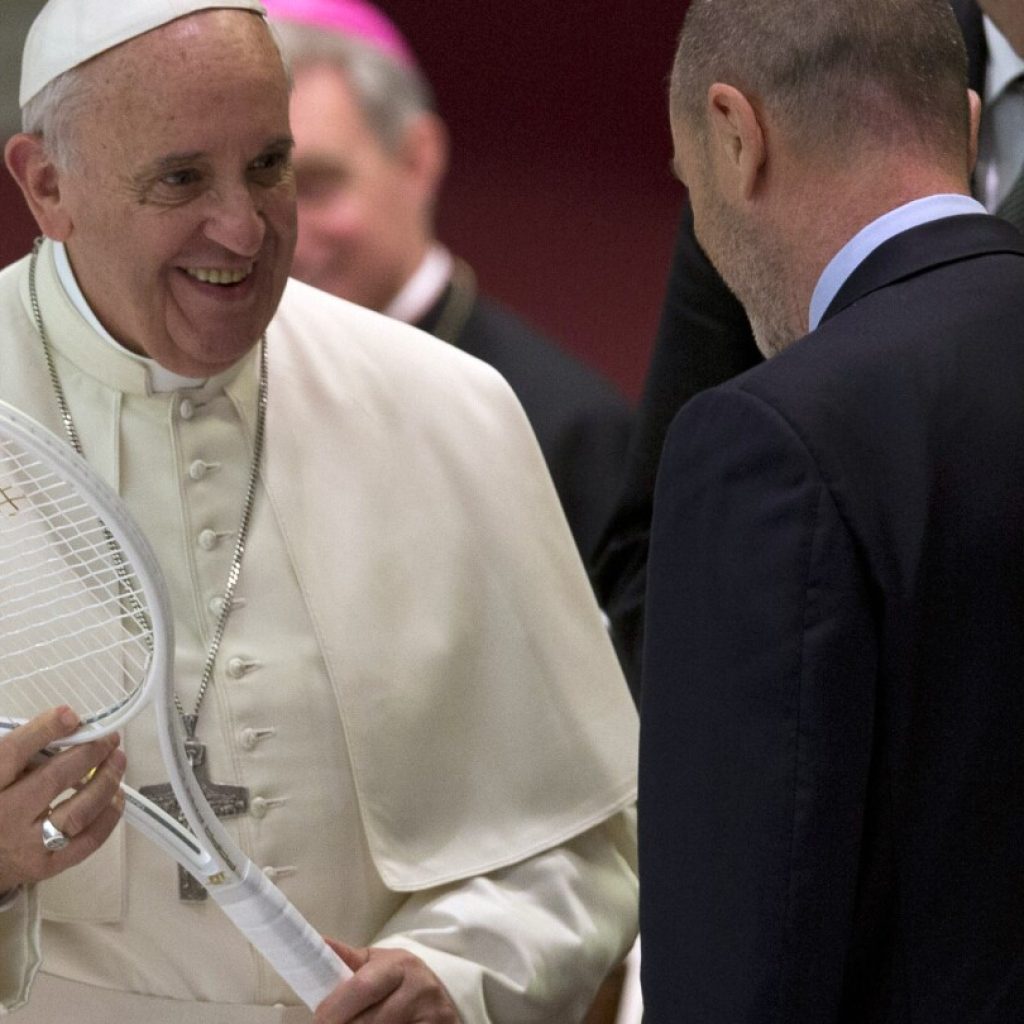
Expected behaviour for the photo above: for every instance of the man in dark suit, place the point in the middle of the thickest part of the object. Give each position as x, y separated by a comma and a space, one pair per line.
832, 772
703, 339
370, 157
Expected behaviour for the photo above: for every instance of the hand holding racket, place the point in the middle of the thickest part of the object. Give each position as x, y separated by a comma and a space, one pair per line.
25, 797
85, 621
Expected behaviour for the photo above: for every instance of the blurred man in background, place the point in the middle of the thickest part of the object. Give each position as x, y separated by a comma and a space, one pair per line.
370, 158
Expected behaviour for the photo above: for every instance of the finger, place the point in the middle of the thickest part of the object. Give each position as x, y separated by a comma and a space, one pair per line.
353, 956
66, 770
88, 841
19, 746
74, 815
371, 984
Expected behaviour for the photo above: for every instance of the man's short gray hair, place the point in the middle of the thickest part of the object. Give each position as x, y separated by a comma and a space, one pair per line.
389, 94
832, 71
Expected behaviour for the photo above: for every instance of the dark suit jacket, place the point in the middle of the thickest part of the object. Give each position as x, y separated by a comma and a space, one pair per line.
832, 743
703, 339
582, 423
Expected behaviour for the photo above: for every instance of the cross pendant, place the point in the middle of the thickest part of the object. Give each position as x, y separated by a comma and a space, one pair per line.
225, 801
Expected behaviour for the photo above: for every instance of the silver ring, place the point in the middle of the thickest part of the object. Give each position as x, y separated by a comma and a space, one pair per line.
53, 838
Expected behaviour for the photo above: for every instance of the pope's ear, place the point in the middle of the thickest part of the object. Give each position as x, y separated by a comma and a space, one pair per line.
39, 180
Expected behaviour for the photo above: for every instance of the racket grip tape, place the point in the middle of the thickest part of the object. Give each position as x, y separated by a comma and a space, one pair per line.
287, 941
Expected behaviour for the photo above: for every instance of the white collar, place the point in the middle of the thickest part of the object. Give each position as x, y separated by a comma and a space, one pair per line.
424, 288
160, 379
1004, 64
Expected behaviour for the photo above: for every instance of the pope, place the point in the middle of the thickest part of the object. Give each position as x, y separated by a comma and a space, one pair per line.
407, 685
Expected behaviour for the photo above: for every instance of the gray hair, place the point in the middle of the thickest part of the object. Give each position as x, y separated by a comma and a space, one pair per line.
389, 94
832, 71
55, 110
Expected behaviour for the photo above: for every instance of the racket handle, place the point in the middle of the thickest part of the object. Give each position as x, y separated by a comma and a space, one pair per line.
264, 915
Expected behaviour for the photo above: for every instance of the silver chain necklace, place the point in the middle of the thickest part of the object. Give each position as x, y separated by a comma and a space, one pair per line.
189, 720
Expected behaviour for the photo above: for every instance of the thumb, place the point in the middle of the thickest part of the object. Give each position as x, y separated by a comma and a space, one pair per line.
353, 956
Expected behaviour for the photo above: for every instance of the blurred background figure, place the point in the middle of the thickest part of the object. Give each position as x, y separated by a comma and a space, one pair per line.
370, 158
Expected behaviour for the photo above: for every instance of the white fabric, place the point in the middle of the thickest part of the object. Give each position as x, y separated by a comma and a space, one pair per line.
67, 33
424, 288
1001, 140
415, 686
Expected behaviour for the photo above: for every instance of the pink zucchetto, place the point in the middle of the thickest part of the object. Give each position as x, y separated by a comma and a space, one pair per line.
354, 18
67, 33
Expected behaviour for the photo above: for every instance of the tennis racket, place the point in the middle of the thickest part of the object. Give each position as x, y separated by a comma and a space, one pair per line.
85, 620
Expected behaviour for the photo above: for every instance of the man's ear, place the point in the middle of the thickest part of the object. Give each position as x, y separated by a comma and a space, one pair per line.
737, 136
424, 154
974, 105
39, 181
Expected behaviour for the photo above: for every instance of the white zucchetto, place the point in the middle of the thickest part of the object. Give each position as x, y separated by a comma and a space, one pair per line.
67, 33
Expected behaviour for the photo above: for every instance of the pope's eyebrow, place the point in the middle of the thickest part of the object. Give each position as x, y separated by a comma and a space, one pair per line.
281, 142
172, 161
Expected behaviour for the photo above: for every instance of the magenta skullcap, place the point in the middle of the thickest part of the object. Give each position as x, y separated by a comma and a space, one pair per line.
354, 18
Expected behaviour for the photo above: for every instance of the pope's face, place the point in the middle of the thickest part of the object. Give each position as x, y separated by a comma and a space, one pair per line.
362, 210
181, 209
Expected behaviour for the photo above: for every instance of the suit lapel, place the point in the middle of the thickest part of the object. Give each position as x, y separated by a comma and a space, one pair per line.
924, 248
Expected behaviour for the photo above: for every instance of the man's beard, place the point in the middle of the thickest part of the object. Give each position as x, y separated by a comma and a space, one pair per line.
754, 267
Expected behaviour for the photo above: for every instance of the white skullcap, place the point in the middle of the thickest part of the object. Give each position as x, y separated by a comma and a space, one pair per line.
67, 33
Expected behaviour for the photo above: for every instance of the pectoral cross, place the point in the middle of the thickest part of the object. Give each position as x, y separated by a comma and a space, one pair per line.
225, 801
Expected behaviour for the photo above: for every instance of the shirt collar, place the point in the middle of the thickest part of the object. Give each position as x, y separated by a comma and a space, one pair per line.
869, 238
160, 379
1004, 64
424, 288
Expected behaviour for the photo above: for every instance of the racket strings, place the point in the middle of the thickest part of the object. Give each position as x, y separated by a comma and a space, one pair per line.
73, 621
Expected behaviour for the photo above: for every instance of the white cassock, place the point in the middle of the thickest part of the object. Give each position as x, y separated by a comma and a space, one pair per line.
415, 683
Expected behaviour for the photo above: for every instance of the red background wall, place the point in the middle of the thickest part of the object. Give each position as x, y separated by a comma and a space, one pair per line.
560, 193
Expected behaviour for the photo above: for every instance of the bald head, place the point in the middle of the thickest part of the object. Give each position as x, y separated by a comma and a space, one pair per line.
836, 75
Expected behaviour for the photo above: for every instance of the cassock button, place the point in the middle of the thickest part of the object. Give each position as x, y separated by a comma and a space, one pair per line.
258, 807
237, 667
216, 605
198, 470
208, 539
249, 739
186, 409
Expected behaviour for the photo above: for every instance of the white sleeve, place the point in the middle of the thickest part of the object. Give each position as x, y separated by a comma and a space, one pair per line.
19, 948
531, 942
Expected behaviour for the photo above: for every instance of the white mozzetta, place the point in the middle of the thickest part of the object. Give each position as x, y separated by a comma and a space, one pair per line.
423, 655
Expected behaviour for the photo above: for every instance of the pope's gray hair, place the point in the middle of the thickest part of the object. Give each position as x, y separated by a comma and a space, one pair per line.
389, 94
54, 111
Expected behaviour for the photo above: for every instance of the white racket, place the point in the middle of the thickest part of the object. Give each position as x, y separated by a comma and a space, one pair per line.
85, 621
